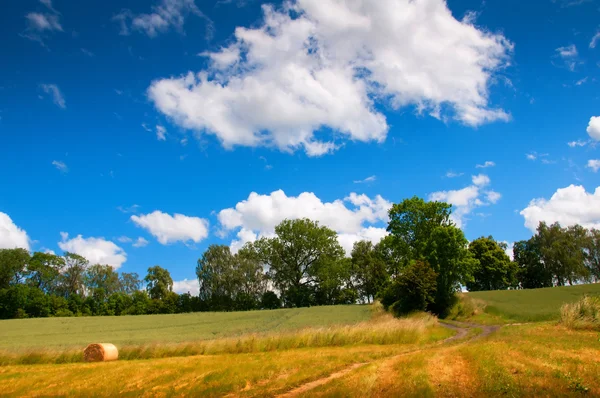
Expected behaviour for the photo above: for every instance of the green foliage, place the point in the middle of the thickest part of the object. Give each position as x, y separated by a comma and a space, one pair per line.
12, 266
270, 301
583, 314
369, 269
44, 270
159, 282
532, 272
450, 259
414, 290
494, 270
299, 257
413, 221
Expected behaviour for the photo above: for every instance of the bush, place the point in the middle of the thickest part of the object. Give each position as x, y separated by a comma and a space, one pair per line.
414, 290
583, 314
466, 307
64, 312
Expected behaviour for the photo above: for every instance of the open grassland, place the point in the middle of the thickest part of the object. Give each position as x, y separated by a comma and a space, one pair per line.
526, 360
533, 305
381, 329
23, 334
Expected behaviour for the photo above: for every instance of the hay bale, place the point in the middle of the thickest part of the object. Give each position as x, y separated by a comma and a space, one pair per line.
100, 353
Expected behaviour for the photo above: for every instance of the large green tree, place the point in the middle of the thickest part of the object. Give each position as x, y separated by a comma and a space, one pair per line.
44, 270
71, 280
495, 270
413, 221
369, 269
13, 263
102, 277
593, 253
532, 272
300, 251
158, 282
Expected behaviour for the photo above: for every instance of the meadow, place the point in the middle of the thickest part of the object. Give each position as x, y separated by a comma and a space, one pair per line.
327, 351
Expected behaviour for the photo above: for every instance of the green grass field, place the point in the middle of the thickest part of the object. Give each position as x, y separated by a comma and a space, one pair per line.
21, 334
533, 305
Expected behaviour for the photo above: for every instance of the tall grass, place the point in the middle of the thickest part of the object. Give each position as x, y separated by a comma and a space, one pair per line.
382, 329
583, 314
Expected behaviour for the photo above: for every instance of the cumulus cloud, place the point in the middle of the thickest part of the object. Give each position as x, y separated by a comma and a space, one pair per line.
57, 96
61, 166
11, 236
187, 286
465, 200
169, 229
567, 206
487, 164
319, 65
593, 128
509, 249
164, 16
353, 218
594, 164
161, 133
96, 250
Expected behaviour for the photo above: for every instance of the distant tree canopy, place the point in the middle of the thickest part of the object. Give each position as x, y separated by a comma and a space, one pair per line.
419, 266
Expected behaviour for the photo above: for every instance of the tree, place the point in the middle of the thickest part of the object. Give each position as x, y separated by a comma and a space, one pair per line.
414, 290
494, 271
593, 253
270, 301
531, 271
44, 270
369, 270
333, 283
388, 250
130, 282
102, 277
448, 256
562, 252
158, 282
12, 266
299, 251
412, 223
71, 279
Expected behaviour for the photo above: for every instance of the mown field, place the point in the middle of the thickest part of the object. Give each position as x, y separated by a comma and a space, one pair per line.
324, 351
533, 305
144, 329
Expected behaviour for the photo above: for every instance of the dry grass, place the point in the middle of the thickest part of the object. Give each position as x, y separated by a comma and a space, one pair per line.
383, 329
583, 314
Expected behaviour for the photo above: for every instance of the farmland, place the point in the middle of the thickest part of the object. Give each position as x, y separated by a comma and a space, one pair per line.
324, 351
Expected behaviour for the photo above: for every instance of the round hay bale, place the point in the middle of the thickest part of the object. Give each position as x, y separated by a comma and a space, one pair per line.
100, 352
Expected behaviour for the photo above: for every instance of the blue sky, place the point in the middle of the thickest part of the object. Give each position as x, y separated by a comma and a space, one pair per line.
122, 120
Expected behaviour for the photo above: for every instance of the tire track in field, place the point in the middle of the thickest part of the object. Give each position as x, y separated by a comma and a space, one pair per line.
462, 330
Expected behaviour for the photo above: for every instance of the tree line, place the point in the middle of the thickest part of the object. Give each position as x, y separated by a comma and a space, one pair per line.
419, 266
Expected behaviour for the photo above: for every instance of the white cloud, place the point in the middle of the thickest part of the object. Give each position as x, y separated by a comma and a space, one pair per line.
573, 144
124, 239
61, 166
531, 156
319, 65
168, 229
11, 236
593, 128
187, 286
54, 91
166, 15
568, 54
594, 164
581, 81
96, 250
131, 209
140, 242
567, 206
595, 40
40, 24
88, 52
480, 180
509, 249
452, 174
465, 200
368, 179
353, 218
487, 164
161, 133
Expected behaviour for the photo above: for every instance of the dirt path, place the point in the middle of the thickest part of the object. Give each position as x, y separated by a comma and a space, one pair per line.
462, 330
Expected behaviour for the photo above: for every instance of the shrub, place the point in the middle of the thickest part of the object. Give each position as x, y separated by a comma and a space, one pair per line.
466, 307
414, 290
583, 314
